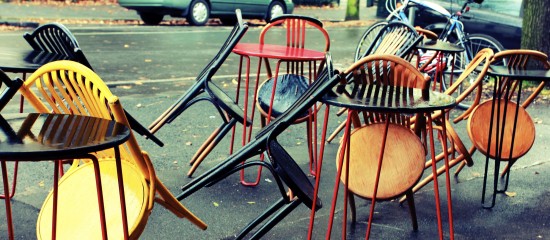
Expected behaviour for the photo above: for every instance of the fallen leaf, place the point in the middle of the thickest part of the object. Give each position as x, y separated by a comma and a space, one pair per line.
126, 45
299, 143
510, 194
175, 162
148, 60
234, 81
139, 105
41, 184
267, 180
188, 143
216, 204
251, 203
139, 83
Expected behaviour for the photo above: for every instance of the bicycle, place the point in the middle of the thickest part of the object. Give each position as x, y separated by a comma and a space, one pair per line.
453, 31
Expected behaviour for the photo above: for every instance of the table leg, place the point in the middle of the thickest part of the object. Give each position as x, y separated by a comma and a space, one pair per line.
100, 200
7, 200
318, 172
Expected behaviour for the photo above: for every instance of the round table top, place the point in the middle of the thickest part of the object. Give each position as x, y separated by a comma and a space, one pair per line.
519, 74
34, 136
376, 98
440, 46
278, 52
25, 60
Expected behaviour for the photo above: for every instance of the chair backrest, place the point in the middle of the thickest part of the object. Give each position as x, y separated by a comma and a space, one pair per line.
56, 38
11, 87
389, 78
475, 73
396, 38
234, 37
295, 30
523, 59
69, 87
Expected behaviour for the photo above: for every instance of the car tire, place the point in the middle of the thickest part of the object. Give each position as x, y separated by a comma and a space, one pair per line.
199, 12
151, 18
275, 9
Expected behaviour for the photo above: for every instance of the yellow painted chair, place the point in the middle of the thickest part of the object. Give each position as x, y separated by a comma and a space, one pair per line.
71, 88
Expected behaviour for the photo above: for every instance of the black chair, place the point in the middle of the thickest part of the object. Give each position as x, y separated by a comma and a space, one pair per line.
58, 39
325, 81
282, 165
229, 111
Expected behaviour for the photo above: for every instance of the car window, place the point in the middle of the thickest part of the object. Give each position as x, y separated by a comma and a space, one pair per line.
508, 7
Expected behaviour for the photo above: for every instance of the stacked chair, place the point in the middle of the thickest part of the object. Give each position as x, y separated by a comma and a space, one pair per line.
68, 87
282, 166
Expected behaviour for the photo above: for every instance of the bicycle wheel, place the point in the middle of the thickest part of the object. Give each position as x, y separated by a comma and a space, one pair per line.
367, 38
474, 43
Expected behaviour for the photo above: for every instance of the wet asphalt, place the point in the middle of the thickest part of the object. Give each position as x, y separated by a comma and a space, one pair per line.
228, 206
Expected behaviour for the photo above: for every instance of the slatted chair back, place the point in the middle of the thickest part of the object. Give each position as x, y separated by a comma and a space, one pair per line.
56, 38
10, 88
396, 38
296, 30
68, 87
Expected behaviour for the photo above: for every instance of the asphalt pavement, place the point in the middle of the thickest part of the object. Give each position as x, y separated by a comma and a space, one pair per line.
227, 207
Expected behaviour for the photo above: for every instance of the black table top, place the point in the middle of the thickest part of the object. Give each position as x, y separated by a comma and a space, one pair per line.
25, 60
519, 74
441, 46
33, 137
377, 98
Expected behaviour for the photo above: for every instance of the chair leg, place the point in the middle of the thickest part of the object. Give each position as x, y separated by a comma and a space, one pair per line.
351, 201
14, 182
276, 219
336, 131
412, 209
272, 209
507, 168
173, 205
204, 145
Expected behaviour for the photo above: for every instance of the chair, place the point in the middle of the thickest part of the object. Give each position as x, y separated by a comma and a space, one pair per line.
71, 88
478, 123
475, 74
277, 93
323, 84
56, 38
11, 87
229, 111
361, 168
395, 38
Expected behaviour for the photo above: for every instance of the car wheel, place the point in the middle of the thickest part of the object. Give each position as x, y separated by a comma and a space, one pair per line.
275, 9
199, 12
151, 18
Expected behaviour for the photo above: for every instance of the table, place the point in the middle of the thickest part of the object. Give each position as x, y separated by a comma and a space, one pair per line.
43, 137
507, 146
365, 98
440, 47
264, 52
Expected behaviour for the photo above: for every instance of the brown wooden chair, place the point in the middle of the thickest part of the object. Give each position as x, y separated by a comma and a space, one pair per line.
404, 158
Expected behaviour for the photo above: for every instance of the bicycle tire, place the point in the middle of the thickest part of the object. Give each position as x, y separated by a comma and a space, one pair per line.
367, 39
475, 42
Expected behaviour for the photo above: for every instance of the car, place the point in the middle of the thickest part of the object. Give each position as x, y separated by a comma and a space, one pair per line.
498, 19
197, 12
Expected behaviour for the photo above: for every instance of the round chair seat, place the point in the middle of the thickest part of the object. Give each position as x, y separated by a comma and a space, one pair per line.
478, 130
402, 166
289, 88
77, 206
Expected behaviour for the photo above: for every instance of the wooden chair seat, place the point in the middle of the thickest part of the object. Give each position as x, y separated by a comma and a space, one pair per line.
78, 210
402, 166
478, 130
77, 200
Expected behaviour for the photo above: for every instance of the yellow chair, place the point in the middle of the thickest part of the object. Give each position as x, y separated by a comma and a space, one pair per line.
71, 88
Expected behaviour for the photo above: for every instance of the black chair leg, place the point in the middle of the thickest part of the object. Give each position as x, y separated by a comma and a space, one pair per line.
412, 209
274, 208
276, 219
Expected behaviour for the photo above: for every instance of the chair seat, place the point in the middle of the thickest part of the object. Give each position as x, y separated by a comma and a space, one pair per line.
289, 88
478, 129
78, 211
402, 166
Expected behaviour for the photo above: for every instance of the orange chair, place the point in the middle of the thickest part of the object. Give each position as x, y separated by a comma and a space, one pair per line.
71, 88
